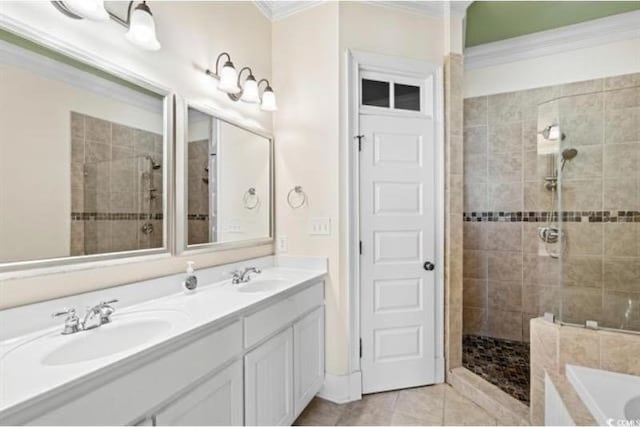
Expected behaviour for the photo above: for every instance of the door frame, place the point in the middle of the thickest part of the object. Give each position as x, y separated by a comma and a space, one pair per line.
357, 61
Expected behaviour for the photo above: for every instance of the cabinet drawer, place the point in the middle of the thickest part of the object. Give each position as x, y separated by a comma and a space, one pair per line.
275, 317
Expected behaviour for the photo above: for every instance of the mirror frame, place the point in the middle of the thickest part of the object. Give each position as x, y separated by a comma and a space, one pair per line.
29, 268
182, 127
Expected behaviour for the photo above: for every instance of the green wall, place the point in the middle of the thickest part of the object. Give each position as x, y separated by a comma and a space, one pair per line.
489, 21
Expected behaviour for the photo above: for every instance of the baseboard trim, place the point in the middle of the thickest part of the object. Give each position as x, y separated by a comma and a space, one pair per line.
342, 388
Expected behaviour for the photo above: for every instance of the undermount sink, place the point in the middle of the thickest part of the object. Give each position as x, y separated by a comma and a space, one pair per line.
126, 331
632, 409
264, 285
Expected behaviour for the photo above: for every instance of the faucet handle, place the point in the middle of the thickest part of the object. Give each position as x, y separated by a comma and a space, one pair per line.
72, 321
106, 310
113, 301
69, 312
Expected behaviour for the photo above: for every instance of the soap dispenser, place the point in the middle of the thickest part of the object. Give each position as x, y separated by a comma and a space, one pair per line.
191, 282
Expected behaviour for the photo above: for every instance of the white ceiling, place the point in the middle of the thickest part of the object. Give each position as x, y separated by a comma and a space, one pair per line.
278, 9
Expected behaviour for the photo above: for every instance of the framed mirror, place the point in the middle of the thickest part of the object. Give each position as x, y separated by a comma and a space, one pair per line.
85, 159
224, 184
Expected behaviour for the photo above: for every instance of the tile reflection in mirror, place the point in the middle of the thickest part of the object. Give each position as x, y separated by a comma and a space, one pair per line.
82, 169
228, 179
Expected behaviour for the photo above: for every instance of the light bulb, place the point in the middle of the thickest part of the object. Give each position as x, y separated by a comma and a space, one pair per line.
142, 29
269, 100
89, 9
228, 78
250, 91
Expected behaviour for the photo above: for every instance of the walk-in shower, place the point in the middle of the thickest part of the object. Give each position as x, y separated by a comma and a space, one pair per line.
551, 218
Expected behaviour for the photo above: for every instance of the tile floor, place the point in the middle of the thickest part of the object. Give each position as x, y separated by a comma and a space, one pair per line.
431, 405
503, 363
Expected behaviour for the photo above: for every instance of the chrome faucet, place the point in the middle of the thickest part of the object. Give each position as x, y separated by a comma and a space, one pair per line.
71, 322
242, 276
101, 313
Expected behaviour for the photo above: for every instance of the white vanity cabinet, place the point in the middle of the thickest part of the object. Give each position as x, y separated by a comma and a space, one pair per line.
268, 388
217, 401
284, 373
308, 358
259, 367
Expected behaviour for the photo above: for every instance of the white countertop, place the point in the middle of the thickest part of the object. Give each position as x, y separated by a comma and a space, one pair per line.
26, 378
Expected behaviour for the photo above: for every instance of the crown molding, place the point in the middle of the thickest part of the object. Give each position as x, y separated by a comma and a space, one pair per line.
279, 9
624, 26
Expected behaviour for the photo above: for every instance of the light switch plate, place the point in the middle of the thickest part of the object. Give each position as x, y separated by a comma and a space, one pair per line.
282, 245
320, 226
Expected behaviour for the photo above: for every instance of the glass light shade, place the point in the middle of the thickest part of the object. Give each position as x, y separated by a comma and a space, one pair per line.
269, 100
89, 9
142, 29
228, 79
250, 91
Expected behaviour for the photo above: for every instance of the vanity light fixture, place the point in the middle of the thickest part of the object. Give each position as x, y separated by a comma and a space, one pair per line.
90, 9
227, 77
142, 27
268, 97
139, 21
248, 90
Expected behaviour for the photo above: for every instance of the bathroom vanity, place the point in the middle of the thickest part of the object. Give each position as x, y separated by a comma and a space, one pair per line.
226, 354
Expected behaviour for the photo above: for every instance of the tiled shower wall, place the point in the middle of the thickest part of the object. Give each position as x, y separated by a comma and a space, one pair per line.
198, 192
508, 277
111, 187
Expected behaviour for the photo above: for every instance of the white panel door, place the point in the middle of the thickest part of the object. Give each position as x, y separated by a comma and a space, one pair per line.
217, 402
397, 230
268, 387
308, 358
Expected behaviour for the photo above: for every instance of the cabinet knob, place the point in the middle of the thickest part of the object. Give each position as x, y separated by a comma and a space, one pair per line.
429, 266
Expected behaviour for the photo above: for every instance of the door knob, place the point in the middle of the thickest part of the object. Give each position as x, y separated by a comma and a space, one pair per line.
429, 266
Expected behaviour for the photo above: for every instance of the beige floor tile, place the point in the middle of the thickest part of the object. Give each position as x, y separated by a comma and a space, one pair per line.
424, 403
320, 412
400, 419
373, 409
458, 410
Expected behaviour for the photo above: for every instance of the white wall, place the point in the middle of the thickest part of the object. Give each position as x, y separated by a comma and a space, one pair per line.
611, 59
192, 35
35, 155
306, 78
243, 162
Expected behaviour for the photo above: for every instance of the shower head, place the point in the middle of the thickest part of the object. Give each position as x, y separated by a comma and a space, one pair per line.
568, 154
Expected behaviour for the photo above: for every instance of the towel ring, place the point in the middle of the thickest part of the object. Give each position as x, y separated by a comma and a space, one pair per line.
297, 190
250, 193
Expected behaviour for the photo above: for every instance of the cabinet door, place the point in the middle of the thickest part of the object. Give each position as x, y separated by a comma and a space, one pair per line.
308, 358
269, 382
217, 401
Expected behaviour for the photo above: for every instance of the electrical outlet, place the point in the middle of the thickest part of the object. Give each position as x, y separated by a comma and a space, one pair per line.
320, 226
282, 244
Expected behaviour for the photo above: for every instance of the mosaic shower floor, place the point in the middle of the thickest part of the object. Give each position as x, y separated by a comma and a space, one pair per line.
502, 362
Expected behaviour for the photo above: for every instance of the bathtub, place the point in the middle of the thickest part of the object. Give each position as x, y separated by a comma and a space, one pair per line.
612, 398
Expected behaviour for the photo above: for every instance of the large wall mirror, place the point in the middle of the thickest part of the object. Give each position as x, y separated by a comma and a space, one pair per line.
84, 160
226, 185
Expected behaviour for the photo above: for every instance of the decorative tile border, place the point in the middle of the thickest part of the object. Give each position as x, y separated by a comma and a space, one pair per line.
111, 216
198, 217
568, 216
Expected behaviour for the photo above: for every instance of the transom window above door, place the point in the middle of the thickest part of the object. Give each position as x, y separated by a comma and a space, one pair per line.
380, 92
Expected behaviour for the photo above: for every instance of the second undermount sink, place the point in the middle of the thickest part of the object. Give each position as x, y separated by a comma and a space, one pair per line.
263, 285
126, 331
632, 409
